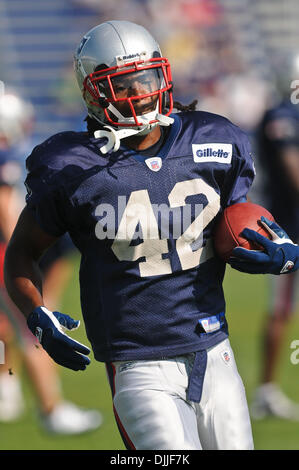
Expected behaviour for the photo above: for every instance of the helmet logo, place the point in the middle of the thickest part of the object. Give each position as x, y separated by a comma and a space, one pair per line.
124, 59
82, 44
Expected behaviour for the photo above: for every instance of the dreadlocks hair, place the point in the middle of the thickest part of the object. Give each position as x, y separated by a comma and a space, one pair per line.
92, 125
188, 107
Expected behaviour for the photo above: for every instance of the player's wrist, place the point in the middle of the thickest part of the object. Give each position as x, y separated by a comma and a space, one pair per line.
32, 323
39, 319
35, 313
291, 258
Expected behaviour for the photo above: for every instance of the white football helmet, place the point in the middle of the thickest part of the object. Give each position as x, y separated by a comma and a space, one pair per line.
125, 81
16, 119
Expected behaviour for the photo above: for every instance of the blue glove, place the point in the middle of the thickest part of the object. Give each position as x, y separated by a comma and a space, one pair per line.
49, 328
280, 254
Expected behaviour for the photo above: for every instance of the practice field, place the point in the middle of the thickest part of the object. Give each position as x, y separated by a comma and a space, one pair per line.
246, 302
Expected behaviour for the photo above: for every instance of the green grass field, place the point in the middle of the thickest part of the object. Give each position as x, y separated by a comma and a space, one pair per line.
246, 302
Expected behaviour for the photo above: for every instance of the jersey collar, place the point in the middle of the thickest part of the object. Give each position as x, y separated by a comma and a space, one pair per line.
164, 150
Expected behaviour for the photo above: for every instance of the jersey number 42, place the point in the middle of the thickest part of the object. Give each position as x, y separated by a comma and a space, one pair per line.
139, 212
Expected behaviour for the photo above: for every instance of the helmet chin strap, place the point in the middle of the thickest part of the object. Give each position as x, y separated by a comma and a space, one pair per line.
114, 136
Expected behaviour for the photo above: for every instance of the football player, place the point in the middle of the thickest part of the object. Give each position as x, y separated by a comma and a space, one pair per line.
279, 158
56, 414
139, 193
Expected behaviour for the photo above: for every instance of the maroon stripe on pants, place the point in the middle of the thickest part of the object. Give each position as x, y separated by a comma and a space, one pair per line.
127, 441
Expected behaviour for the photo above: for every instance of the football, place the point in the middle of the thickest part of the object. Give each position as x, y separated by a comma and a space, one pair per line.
233, 221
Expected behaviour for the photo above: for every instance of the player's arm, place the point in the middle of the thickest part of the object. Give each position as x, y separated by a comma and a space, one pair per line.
24, 284
277, 256
10, 206
21, 272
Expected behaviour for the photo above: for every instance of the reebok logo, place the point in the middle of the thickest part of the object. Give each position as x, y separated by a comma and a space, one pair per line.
122, 59
220, 153
287, 267
39, 333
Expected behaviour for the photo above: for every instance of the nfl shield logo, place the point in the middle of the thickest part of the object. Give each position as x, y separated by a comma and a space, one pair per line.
225, 356
154, 163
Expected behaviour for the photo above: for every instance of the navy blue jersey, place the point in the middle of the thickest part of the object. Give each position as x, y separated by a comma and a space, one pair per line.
280, 130
151, 286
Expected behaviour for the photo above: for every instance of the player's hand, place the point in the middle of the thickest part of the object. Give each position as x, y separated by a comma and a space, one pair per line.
49, 328
280, 254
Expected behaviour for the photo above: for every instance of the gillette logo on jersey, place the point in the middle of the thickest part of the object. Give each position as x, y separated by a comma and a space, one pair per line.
221, 153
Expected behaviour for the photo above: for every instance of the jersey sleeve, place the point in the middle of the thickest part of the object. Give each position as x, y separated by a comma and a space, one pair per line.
242, 172
45, 194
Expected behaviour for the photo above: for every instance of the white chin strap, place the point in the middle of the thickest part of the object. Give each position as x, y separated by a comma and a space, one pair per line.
114, 135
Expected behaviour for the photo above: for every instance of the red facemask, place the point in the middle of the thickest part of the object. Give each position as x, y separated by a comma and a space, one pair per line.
133, 89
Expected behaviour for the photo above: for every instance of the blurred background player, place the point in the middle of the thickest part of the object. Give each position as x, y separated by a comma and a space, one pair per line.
56, 415
278, 151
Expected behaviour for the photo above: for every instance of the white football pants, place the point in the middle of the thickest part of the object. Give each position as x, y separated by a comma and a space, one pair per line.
152, 410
